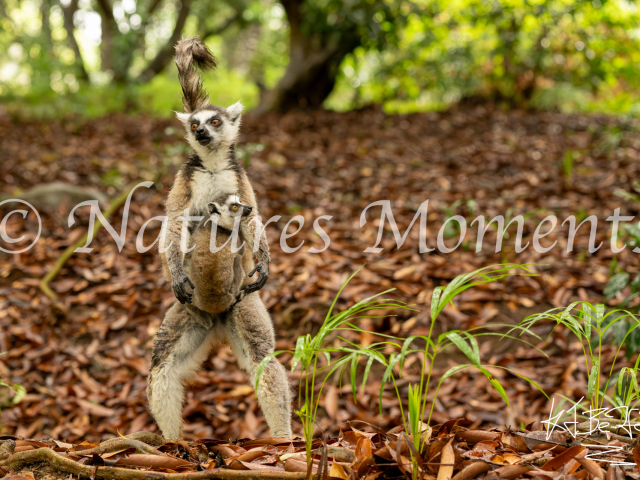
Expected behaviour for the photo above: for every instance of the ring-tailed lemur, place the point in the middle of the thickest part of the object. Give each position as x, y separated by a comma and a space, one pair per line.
213, 170
187, 332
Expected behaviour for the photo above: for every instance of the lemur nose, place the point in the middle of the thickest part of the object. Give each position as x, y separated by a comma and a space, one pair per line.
200, 129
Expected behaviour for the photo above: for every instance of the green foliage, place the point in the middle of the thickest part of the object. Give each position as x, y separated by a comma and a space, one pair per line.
551, 54
409, 55
42, 75
465, 341
592, 325
567, 164
18, 390
621, 280
374, 24
160, 97
319, 362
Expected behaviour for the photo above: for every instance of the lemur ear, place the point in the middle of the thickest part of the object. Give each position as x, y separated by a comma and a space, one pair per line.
234, 111
213, 208
183, 117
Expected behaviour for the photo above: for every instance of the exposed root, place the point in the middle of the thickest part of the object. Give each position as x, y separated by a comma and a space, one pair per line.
120, 443
57, 461
149, 438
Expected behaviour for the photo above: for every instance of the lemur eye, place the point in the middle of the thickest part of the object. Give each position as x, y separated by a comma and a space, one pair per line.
193, 126
234, 207
215, 122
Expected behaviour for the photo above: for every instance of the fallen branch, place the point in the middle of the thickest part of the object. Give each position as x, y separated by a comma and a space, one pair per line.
66, 255
57, 461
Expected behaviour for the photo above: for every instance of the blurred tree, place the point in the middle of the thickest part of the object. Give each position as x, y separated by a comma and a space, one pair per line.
517, 52
126, 26
406, 54
321, 34
119, 47
68, 13
203, 11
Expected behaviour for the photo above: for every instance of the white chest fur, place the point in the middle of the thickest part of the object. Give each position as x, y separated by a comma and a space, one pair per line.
206, 186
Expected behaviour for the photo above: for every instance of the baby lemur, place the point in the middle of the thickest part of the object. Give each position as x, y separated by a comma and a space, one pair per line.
217, 268
188, 329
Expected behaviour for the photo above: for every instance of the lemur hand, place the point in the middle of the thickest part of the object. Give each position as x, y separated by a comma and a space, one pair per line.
180, 288
263, 268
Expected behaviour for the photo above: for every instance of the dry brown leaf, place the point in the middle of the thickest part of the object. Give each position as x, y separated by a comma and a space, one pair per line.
472, 471
595, 472
447, 462
512, 471
337, 471
566, 461
331, 402
364, 449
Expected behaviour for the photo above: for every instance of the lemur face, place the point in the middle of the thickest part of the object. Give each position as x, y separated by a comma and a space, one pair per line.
212, 127
226, 209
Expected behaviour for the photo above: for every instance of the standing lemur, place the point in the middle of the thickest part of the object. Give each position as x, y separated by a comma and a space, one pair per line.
188, 331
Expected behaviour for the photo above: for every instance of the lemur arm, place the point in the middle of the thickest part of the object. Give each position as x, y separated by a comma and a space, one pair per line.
256, 237
177, 201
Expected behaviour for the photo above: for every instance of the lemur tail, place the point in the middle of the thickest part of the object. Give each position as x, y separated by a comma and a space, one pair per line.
192, 53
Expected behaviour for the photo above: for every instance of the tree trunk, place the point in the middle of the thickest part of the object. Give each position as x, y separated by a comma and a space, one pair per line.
313, 66
45, 12
109, 32
68, 13
165, 54
140, 41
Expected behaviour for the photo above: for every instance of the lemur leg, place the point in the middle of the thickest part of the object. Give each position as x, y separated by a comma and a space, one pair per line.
250, 334
181, 345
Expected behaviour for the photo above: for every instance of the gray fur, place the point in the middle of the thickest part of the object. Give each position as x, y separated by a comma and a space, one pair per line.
180, 347
187, 332
182, 344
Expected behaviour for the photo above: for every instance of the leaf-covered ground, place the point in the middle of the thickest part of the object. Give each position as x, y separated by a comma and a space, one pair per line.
449, 449
85, 372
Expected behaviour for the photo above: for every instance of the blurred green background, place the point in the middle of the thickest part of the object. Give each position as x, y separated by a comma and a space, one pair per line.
92, 57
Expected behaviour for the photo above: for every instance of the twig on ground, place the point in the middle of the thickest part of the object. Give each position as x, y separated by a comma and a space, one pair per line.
337, 453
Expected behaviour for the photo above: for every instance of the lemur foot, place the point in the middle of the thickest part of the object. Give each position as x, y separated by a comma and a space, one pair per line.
180, 288
263, 268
